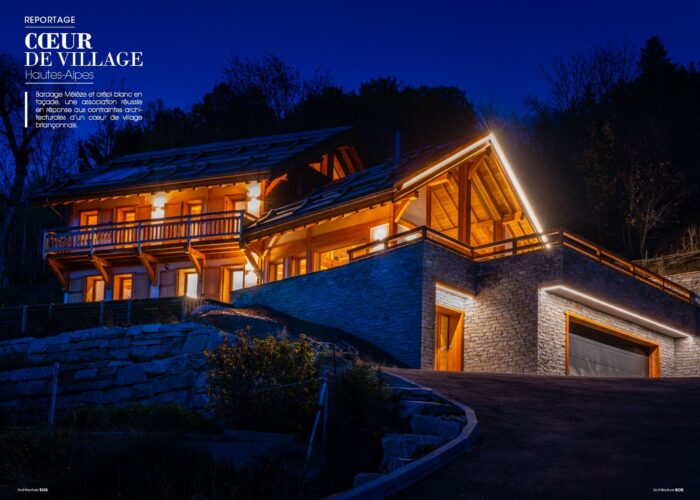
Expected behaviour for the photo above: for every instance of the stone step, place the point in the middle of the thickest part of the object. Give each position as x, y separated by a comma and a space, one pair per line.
414, 393
401, 447
445, 428
409, 407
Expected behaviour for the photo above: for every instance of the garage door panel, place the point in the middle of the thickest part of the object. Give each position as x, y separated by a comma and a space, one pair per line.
601, 357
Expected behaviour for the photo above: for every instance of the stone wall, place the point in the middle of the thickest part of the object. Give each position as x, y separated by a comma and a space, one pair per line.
625, 291
551, 358
105, 366
455, 271
377, 299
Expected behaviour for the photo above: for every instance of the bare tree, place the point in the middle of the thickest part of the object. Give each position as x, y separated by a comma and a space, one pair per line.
588, 75
280, 83
20, 141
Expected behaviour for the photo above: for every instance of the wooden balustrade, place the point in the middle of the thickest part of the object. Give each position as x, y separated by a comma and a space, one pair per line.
182, 229
523, 244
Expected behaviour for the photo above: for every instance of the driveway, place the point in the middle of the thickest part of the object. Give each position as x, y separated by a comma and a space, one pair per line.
556, 437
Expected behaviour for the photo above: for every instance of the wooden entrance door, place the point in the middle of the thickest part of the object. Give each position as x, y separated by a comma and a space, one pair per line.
448, 340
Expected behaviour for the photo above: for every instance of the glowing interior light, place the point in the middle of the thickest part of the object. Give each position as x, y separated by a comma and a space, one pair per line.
254, 206
254, 189
607, 306
249, 267
158, 203
378, 233
159, 200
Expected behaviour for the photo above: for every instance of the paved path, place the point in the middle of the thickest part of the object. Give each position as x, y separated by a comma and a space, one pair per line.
556, 437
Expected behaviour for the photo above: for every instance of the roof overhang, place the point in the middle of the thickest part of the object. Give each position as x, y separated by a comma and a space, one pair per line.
608, 307
465, 154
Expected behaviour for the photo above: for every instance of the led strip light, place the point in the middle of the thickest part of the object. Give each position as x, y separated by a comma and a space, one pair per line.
673, 332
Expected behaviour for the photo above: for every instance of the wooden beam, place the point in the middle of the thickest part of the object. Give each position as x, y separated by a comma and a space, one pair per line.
402, 206
150, 263
484, 196
392, 219
58, 269
444, 210
197, 258
309, 250
250, 256
102, 267
464, 202
274, 183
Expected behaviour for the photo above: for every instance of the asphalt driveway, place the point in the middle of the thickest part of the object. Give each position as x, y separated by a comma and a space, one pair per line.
556, 437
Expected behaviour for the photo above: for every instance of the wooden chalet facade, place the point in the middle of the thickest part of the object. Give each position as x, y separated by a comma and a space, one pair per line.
219, 220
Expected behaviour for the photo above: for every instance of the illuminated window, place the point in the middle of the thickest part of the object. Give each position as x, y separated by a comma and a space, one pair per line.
94, 289
276, 271
235, 202
193, 208
126, 215
378, 233
239, 278
123, 285
334, 258
88, 218
188, 283
299, 266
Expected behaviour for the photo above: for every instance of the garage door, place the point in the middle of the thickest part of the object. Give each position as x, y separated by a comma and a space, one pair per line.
597, 354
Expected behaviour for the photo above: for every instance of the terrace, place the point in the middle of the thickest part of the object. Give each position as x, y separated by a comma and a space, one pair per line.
524, 244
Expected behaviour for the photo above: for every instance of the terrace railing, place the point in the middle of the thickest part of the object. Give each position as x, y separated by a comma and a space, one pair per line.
115, 235
524, 244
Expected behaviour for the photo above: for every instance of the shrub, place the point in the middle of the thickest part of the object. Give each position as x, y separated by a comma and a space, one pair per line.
360, 414
265, 384
135, 417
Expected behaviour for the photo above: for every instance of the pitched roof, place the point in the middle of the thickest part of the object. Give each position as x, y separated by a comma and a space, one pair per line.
370, 186
254, 158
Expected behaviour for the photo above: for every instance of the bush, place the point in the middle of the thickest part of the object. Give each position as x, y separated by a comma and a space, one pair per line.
166, 417
266, 385
361, 413
139, 466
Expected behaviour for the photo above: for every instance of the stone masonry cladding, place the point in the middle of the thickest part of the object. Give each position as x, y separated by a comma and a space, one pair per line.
510, 325
552, 333
377, 299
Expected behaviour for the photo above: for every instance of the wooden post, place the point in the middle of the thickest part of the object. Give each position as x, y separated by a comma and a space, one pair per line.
309, 252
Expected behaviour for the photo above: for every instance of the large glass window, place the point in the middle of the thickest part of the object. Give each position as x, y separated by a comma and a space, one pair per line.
123, 285
94, 289
334, 258
188, 283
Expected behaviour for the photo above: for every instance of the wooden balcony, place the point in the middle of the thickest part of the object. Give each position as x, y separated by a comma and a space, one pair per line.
217, 231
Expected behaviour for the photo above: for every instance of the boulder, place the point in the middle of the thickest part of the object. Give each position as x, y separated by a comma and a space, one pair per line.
406, 445
445, 428
409, 407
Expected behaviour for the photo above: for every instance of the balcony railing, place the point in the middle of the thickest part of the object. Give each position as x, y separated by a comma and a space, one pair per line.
523, 244
187, 229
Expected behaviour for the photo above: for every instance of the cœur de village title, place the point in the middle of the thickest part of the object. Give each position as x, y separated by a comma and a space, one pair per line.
63, 50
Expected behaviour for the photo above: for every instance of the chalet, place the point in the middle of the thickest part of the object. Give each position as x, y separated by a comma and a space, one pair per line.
437, 257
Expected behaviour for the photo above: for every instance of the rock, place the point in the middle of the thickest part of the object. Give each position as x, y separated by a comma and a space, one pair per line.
89, 373
130, 375
414, 393
195, 344
406, 445
365, 477
444, 428
409, 407
151, 328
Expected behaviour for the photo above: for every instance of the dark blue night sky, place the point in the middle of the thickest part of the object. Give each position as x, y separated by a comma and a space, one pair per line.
493, 50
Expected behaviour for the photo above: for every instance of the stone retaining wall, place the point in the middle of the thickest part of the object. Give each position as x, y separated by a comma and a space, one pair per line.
154, 363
